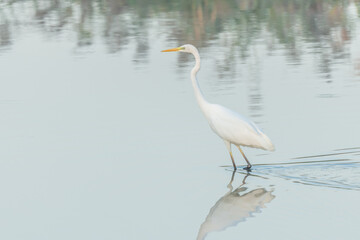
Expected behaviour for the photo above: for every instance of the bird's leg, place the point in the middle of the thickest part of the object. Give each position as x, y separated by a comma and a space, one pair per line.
232, 158
248, 163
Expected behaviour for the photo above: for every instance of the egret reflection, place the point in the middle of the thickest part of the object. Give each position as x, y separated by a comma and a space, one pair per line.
234, 207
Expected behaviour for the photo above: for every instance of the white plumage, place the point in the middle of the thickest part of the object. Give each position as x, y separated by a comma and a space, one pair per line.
232, 127
236, 129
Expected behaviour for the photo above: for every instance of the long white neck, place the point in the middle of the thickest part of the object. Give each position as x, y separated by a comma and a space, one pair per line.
198, 94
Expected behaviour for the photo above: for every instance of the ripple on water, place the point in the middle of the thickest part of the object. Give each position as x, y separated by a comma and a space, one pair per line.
318, 171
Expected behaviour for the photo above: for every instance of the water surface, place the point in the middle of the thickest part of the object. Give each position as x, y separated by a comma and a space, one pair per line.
101, 137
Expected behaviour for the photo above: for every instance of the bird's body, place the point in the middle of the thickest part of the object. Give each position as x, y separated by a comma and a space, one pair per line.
232, 127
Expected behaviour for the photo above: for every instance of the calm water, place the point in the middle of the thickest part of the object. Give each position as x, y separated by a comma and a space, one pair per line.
101, 136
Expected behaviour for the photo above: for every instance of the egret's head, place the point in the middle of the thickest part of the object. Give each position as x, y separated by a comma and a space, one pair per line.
184, 48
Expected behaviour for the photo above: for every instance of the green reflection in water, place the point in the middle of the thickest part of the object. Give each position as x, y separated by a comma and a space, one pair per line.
325, 27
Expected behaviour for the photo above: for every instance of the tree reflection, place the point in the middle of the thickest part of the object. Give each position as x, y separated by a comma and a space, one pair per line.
322, 25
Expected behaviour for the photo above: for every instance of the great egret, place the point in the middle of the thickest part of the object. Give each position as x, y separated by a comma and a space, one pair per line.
232, 127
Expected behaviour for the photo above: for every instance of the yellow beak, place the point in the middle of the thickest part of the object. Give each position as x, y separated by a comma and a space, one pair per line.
173, 49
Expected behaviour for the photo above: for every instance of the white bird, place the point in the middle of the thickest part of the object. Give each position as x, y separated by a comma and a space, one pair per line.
232, 127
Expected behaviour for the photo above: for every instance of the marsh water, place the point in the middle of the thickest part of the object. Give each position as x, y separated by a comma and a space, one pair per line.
101, 136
